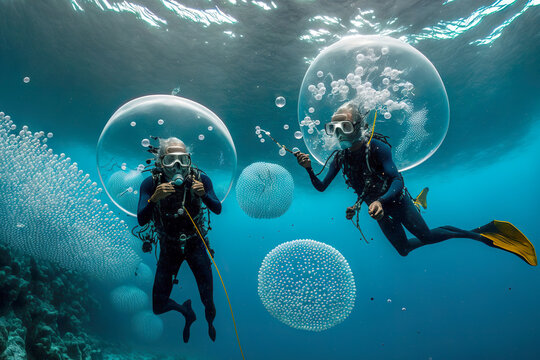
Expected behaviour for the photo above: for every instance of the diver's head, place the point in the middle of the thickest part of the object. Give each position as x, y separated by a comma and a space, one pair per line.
174, 160
348, 125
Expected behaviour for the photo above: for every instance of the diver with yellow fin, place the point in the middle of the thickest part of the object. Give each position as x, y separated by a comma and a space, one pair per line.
366, 161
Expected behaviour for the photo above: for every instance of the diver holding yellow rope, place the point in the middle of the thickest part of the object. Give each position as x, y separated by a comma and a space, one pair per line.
367, 165
172, 200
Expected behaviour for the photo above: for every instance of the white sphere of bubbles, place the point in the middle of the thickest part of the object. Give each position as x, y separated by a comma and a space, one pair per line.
122, 147
265, 190
380, 74
307, 285
147, 326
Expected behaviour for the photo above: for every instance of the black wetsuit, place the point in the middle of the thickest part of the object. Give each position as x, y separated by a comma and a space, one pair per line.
170, 226
374, 176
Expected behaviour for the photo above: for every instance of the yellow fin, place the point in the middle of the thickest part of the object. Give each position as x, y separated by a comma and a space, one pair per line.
421, 199
506, 236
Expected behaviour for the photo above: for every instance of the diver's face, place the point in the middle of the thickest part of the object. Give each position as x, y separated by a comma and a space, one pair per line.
343, 121
176, 162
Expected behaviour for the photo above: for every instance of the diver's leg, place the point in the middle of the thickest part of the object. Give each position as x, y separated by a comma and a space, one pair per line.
200, 265
414, 222
161, 292
393, 230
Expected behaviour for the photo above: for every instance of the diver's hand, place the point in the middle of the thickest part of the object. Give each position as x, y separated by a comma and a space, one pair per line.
162, 191
350, 212
197, 187
376, 210
303, 159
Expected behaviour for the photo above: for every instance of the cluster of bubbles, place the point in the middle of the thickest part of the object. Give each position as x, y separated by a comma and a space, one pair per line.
51, 210
414, 133
309, 124
307, 285
259, 132
124, 186
129, 299
264, 190
123, 147
132, 299
144, 276
147, 326
280, 101
379, 75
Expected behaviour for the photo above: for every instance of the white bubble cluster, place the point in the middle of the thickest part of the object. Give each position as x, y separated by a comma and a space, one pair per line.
147, 326
264, 190
415, 134
122, 185
144, 277
64, 220
128, 299
317, 91
307, 285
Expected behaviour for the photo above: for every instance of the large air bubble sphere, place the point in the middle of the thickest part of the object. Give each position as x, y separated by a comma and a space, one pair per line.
380, 74
264, 190
147, 326
161, 116
307, 285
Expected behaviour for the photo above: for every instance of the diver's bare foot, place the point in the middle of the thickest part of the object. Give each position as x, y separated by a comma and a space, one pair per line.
212, 332
190, 318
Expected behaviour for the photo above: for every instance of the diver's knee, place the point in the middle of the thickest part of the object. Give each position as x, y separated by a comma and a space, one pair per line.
403, 252
158, 307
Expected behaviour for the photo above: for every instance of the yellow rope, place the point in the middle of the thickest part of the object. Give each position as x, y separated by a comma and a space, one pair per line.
372, 128
220, 278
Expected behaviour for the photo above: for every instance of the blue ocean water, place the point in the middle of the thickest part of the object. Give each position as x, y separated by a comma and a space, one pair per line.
463, 300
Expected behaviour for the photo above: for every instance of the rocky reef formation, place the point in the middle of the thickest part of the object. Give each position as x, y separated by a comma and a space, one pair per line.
45, 311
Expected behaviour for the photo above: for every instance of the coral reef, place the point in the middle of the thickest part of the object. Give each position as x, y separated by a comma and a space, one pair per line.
43, 311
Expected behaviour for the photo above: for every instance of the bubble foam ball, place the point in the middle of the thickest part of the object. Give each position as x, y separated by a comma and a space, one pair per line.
307, 285
128, 299
377, 73
165, 116
264, 190
147, 326
52, 210
144, 276
124, 187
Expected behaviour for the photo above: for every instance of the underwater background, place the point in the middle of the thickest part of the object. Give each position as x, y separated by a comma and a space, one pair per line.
456, 300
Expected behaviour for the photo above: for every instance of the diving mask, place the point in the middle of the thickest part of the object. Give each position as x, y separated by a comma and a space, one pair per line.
169, 160
345, 126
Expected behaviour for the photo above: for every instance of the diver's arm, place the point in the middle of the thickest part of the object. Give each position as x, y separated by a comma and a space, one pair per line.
209, 198
322, 185
383, 155
144, 210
